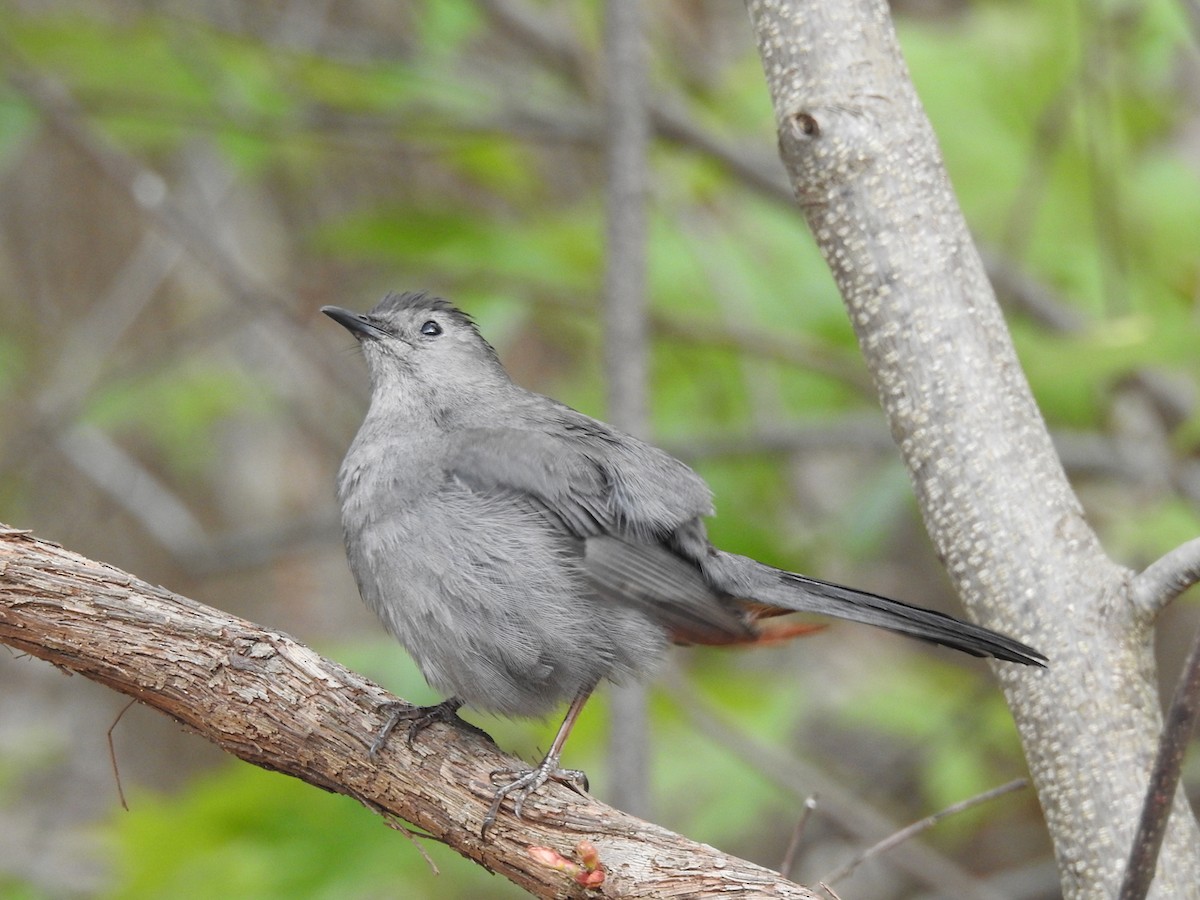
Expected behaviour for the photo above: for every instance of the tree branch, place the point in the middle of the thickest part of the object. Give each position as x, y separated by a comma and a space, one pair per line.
911, 830
627, 333
270, 700
1167, 577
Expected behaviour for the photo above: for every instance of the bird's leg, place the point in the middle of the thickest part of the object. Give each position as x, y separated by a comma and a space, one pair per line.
527, 781
419, 718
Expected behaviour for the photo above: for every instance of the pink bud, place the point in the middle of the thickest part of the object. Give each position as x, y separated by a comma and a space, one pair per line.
552, 859
588, 854
591, 879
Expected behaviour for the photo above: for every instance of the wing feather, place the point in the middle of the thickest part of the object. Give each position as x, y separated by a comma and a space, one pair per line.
626, 505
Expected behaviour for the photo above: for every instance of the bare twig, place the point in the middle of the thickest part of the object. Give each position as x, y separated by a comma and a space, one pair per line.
917, 827
1166, 578
417, 840
537, 29
793, 847
112, 754
1018, 290
792, 349
1083, 454
1164, 779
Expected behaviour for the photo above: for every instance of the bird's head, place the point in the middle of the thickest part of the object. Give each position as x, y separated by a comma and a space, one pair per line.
415, 340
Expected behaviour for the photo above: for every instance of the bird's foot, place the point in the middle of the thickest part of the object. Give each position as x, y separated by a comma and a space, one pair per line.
525, 783
418, 717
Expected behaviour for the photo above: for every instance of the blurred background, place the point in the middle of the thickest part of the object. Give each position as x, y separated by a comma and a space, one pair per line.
183, 185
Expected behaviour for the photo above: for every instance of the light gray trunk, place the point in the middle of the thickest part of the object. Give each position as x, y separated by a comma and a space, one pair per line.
866, 168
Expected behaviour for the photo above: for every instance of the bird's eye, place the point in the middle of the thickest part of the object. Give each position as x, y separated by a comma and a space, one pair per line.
431, 329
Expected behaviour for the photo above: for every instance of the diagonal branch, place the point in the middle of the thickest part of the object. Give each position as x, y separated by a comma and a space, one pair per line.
270, 700
915, 828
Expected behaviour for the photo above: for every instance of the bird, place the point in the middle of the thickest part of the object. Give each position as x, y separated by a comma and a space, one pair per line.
523, 552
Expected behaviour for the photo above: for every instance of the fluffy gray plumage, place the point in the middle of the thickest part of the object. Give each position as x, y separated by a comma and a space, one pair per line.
522, 551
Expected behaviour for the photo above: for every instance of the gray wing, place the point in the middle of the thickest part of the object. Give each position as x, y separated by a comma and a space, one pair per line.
595, 478
568, 484
624, 499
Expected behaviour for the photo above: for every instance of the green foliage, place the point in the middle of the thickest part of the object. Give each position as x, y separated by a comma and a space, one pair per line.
749, 499
709, 791
13, 360
12, 889
1073, 375
934, 709
244, 832
442, 29
16, 123
1139, 535
556, 251
176, 410
102, 57
876, 512
1038, 113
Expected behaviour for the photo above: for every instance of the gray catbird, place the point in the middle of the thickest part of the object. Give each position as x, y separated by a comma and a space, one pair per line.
522, 551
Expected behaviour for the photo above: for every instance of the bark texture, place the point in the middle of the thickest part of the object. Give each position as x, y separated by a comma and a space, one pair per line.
866, 168
272, 701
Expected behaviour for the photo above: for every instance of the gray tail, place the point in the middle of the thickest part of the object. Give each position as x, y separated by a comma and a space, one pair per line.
924, 624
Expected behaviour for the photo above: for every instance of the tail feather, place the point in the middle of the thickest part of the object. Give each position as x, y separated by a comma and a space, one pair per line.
804, 594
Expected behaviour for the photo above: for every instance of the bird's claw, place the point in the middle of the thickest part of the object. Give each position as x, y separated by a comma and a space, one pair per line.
419, 718
525, 783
